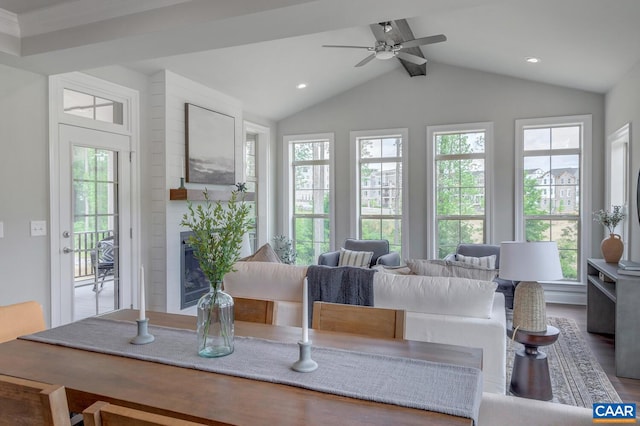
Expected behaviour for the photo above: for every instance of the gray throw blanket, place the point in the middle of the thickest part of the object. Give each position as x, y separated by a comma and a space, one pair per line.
341, 284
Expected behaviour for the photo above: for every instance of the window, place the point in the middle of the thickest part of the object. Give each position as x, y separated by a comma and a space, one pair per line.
459, 190
251, 180
310, 198
379, 185
92, 107
557, 147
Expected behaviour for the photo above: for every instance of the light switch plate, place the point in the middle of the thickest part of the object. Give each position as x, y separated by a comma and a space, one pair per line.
38, 228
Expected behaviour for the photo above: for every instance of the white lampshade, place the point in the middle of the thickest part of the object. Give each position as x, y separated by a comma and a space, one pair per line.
530, 261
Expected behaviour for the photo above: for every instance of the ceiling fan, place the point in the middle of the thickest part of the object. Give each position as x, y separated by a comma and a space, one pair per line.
388, 49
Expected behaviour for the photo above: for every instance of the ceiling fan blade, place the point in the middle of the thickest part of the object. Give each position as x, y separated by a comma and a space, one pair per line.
411, 58
366, 60
346, 47
424, 40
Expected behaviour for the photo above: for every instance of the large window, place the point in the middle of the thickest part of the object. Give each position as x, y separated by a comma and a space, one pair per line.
460, 184
379, 185
251, 180
551, 189
310, 195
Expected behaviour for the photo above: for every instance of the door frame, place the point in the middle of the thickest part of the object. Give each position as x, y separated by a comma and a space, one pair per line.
131, 128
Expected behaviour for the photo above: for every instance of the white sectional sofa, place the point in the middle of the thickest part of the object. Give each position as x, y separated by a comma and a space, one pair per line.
455, 311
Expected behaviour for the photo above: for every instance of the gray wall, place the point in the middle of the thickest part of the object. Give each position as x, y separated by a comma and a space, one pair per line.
622, 105
447, 95
24, 186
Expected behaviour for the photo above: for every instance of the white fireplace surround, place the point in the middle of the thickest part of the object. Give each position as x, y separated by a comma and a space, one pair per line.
169, 93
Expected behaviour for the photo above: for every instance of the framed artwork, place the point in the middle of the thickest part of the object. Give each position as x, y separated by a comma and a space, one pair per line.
210, 146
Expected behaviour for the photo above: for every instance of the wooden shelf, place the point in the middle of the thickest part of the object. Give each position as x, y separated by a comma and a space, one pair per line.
184, 194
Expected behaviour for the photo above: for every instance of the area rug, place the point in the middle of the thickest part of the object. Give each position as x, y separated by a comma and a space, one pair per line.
576, 376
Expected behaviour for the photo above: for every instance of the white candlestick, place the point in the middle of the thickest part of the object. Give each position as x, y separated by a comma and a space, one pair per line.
305, 311
142, 307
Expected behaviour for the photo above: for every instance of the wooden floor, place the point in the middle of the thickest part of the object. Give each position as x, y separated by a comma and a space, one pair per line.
602, 347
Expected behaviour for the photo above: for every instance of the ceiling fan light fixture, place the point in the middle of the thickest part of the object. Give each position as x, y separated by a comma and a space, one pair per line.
385, 54
386, 26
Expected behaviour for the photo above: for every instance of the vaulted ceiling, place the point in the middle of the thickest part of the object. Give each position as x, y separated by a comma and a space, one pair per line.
259, 50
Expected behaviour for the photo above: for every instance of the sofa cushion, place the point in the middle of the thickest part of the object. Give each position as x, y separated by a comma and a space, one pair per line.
266, 253
446, 268
488, 262
361, 259
266, 280
434, 295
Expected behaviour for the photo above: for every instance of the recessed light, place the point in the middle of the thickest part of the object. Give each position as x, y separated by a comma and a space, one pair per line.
301, 86
532, 59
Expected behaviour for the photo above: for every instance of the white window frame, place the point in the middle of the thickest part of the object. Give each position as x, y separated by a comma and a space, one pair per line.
287, 184
584, 222
354, 137
432, 132
262, 179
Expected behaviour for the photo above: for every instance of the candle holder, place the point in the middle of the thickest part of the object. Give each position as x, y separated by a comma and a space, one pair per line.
181, 183
143, 336
305, 364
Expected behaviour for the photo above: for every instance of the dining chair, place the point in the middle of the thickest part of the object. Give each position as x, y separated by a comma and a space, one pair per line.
253, 310
20, 319
354, 319
27, 402
102, 413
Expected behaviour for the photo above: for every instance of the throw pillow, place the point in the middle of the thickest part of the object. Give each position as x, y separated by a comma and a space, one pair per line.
360, 259
488, 262
264, 254
445, 268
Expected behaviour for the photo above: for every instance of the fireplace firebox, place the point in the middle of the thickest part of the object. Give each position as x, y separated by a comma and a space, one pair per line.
193, 282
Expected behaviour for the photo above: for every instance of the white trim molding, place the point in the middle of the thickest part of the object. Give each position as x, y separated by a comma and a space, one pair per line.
263, 196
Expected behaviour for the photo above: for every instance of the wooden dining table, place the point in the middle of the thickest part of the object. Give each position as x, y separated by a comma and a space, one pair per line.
213, 398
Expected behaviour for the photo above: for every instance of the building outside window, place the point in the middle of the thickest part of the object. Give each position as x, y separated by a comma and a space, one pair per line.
549, 201
460, 184
379, 184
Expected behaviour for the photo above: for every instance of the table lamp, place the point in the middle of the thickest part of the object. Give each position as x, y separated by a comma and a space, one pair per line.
529, 262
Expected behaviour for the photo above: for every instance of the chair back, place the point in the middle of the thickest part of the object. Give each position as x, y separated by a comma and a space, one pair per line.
104, 414
354, 319
378, 247
20, 319
25, 402
253, 310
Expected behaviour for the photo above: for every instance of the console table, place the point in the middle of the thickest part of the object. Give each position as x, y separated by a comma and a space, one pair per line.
613, 307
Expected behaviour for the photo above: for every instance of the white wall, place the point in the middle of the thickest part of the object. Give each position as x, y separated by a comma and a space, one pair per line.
622, 105
24, 187
447, 95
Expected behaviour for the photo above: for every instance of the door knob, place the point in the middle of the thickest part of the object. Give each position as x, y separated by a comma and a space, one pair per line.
68, 250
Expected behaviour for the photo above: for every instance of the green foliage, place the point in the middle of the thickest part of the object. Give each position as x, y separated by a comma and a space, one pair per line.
283, 247
217, 233
609, 219
535, 230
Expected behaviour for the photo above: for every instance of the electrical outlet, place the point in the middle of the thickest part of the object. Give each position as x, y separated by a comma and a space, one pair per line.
38, 228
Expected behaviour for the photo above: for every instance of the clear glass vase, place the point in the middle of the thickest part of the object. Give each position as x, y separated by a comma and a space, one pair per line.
215, 324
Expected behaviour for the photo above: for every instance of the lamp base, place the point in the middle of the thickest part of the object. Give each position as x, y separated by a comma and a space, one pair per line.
529, 307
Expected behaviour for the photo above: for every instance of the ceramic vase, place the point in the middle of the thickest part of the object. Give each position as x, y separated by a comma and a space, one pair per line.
215, 324
612, 248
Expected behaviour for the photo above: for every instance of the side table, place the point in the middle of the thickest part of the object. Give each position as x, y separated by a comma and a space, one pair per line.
530, 376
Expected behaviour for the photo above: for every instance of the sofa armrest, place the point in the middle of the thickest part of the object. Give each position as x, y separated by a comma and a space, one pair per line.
329, 259
389, 259
506, 410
